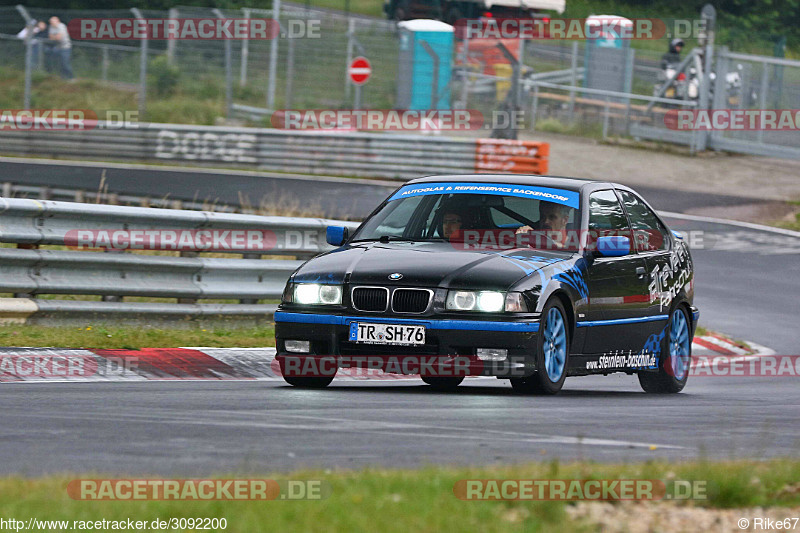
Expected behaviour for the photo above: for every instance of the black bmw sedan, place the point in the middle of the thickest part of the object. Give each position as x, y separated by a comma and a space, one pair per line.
527, 278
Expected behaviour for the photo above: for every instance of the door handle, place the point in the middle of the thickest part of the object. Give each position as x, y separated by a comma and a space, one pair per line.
640, 271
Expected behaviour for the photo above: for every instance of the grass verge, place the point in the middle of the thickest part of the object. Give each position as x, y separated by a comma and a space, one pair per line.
418, 500
99, 337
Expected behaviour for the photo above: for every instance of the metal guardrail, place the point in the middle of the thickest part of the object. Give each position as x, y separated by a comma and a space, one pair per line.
28, 271
333, 152
24, 221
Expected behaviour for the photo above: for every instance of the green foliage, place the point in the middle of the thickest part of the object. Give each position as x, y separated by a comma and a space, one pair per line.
164, 76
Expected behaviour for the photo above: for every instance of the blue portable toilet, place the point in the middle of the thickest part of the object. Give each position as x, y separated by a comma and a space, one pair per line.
416, 66
609, 57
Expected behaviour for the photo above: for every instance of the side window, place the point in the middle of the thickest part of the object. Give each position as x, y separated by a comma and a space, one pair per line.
648, 232
606, 216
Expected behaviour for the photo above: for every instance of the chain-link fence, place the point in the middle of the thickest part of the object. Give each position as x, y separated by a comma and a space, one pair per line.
568, 86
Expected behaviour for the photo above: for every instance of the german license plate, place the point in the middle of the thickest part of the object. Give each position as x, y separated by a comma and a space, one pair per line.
408, 334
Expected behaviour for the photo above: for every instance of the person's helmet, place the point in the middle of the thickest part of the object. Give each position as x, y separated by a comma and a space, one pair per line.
675, 43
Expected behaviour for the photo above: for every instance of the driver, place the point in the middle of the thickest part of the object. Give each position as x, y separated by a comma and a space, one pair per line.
553, 219
451, 223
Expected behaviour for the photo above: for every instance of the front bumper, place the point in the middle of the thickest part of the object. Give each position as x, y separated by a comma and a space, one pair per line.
446, 340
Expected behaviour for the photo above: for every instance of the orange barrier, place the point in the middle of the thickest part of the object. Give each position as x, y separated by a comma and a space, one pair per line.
512, 157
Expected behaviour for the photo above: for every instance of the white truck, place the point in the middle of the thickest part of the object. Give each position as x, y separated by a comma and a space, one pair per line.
452, 10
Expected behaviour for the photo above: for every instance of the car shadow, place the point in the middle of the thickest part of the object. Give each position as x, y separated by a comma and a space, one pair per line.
479, 390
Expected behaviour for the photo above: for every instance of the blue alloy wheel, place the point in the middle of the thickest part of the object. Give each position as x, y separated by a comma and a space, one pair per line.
555, 345
679, 345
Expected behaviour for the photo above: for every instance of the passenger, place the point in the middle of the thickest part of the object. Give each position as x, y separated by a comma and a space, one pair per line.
553, 219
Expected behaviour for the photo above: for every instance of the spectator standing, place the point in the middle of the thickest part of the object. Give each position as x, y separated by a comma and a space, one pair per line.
63, 46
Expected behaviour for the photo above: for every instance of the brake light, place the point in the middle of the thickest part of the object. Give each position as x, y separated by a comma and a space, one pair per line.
681, 76
488, 14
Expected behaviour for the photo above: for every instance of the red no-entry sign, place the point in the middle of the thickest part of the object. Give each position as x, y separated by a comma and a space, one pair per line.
359, 70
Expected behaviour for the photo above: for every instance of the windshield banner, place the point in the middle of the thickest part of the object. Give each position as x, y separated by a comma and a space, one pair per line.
559, 196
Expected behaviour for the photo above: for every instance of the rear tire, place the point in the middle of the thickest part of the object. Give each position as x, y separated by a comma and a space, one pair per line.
673, 371
552, 353
442, 383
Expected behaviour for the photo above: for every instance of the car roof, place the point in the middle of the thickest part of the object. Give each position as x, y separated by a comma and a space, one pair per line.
560, 182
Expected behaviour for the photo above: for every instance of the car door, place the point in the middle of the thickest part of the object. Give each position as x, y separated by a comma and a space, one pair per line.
654, 243
618, 294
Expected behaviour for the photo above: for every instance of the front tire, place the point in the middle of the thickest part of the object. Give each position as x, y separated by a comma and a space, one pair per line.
552, 353
303, 382
673, 371
442, 383
316, 376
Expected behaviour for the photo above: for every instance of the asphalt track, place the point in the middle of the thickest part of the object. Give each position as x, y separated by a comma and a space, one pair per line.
747, 286
195, 428
335, 197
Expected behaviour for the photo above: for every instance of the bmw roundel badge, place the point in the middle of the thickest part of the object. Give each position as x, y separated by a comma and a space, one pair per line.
395, 276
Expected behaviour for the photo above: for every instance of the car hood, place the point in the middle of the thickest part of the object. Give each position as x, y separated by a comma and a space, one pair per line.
430, 264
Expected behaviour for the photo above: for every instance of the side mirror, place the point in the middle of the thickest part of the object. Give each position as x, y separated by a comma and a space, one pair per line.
336, 235
613, 246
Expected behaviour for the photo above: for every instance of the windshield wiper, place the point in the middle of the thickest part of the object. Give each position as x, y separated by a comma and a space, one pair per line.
395, 238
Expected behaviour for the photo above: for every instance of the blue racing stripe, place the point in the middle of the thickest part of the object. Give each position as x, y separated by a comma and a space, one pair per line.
308, 318
440, 324
619, 321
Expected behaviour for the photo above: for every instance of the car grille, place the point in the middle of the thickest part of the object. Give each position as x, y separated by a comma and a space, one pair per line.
410, 300
370, 299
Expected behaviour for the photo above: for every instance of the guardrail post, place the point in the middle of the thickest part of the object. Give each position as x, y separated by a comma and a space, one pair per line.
245, 53
351, 30
763, 96
573, 80
184, 253
249, 300
289, 73
228, 70
435, 83
273, 56
104, 65
720, 90
465, 70
512, 100
142, 67
708, 15
172, 15
29, 25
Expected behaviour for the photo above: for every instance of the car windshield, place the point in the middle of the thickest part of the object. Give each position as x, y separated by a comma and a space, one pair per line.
479, 214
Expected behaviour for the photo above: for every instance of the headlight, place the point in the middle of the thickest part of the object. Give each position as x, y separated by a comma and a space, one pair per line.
316, 294
486, 301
